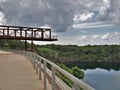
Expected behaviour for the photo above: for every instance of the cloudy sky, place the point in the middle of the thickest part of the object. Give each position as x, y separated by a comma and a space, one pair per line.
78, 22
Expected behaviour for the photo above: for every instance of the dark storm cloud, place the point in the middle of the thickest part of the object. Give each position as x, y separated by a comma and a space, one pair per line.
103, 10
110, 12
58, 14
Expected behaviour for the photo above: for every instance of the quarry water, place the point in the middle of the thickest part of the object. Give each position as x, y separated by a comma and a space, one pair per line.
101, 76
102, 79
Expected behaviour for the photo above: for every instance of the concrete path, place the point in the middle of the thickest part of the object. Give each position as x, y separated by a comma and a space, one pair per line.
17, 73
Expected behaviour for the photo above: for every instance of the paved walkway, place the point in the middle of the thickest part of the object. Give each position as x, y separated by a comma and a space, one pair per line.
17, 73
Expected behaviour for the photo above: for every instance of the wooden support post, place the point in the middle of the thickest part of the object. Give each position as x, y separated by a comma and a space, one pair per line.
42, 34
50, 33
40, 69
3, 32
7, 31
25, 45
34, 34
15, 31
25, 41
20, 32
53, 79
32, 45
45, 86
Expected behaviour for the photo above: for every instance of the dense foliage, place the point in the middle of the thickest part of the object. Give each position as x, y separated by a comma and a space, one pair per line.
67, 53
74, 71
12, 44
93, 65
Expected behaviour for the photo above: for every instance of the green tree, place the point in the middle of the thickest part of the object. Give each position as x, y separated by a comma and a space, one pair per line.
77, 72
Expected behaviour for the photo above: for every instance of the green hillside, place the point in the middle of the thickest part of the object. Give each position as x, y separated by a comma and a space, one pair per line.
67, 53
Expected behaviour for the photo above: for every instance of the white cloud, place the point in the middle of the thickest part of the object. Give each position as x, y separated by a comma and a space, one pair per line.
116, 33
60, 14
83, 17
1, 17
95, 39
83, 37
95, 36
105, 37
103, 9
91, 25
106, 3
2, 1
46, 26
89, 5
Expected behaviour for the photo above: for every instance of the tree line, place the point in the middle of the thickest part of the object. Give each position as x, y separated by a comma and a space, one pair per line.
68, 53
89, 53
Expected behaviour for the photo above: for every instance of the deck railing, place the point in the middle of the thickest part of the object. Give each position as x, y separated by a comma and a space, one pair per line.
49, 70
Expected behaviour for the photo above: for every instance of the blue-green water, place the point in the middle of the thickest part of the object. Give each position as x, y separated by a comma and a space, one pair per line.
103, 79
100, 75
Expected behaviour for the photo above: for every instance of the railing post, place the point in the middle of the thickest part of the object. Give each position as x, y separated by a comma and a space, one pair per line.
34, 61
37, 67
53, 79
21, 52
31, 54
45, 88
40, 68
75, 87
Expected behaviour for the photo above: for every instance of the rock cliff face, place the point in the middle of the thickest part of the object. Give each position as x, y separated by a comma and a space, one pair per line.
65, 59
68, 59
